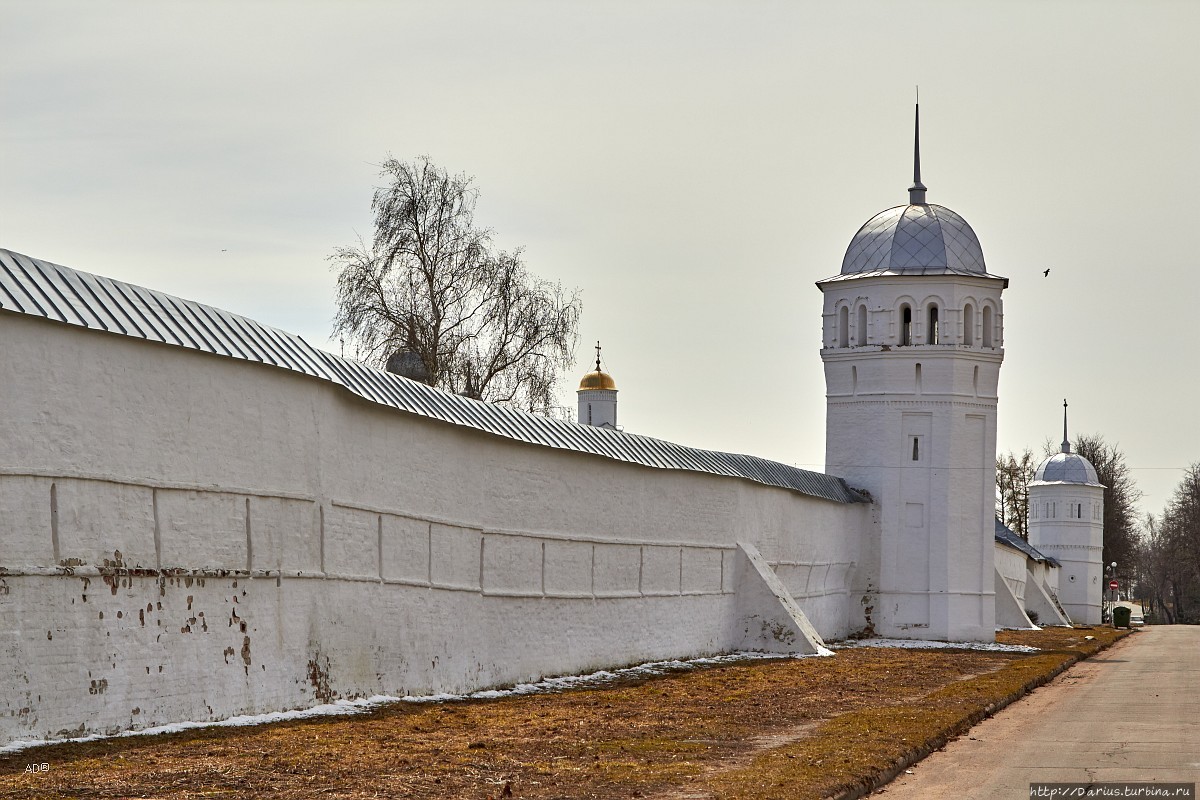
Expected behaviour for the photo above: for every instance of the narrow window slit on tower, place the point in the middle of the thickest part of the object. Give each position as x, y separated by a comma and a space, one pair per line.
905, 326
916, 448
861, 328
844, 327
933, 325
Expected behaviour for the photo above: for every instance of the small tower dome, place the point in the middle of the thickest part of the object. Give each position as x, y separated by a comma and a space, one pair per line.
1065, 466
598, 397
597, 380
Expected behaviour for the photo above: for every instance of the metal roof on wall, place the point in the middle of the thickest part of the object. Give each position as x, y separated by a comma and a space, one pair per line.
1005, 535
61, 294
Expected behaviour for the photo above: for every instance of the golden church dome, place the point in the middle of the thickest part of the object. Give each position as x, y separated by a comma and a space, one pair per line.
597, 380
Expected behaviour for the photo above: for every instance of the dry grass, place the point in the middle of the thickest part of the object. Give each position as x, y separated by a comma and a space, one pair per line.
792, 728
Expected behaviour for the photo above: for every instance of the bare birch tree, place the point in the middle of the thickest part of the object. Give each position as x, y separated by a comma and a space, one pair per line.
431, 283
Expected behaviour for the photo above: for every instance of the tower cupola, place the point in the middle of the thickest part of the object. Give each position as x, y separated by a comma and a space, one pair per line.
1066, 521
598, 397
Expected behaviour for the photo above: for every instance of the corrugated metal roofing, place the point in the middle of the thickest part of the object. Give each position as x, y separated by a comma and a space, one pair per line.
1005, 535
40, 288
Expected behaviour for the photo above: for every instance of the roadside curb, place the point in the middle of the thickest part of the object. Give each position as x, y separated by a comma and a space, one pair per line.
886, 776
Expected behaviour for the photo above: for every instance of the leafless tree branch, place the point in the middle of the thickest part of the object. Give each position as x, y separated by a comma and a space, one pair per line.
431, 283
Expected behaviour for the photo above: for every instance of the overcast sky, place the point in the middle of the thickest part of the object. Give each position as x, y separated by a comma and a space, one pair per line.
693, 168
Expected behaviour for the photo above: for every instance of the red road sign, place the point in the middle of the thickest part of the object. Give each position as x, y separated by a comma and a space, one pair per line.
1112, 584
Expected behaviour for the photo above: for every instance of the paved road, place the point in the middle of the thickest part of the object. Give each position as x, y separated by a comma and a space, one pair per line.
1131, 713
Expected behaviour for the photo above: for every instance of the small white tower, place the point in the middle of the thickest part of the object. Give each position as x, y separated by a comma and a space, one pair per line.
598, 397
1066, 521
912, 345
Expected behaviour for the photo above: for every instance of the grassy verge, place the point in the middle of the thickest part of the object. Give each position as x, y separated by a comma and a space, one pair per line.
808, 728
854, 753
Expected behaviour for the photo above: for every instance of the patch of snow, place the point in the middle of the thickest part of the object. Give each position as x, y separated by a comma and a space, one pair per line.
920, 644
345, 707
339, 707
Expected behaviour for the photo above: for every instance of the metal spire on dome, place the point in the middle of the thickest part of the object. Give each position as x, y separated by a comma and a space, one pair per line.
916, 192
1066, 445
597, 355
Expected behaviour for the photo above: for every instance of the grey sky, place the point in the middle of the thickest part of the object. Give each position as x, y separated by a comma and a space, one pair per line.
693, 168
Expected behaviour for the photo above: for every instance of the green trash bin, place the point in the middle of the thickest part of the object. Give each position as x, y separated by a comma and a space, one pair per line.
1121, 616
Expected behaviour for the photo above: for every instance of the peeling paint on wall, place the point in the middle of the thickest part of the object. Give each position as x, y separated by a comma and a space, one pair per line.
318, 676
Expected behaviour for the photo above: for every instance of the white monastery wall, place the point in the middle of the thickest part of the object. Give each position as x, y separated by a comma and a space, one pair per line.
185, 536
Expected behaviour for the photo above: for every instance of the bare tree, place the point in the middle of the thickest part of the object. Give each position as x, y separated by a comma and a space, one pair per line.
1120, 497
431, 283
1013, 476
1173, 549
1158, 569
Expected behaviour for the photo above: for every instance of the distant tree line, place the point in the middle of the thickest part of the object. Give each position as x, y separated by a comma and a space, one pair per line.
1170, 554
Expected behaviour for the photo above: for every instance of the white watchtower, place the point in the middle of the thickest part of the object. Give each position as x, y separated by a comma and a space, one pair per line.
598, 397
1066, 521
912, 344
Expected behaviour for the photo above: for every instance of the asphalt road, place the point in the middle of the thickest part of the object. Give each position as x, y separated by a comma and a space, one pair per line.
1131, 713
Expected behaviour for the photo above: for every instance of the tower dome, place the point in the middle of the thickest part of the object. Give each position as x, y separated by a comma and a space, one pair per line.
597, 380
919, 238
1065, 466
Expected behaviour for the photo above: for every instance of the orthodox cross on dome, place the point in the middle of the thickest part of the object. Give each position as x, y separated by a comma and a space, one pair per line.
597, 355
916, 192
1066, 445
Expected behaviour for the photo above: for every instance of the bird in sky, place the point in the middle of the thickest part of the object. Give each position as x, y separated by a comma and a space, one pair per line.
1046, 274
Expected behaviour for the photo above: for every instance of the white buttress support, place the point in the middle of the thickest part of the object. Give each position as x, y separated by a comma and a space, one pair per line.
768, 618
1009, 613
1038, 600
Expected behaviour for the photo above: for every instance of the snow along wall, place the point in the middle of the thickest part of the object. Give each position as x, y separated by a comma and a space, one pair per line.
186, 536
